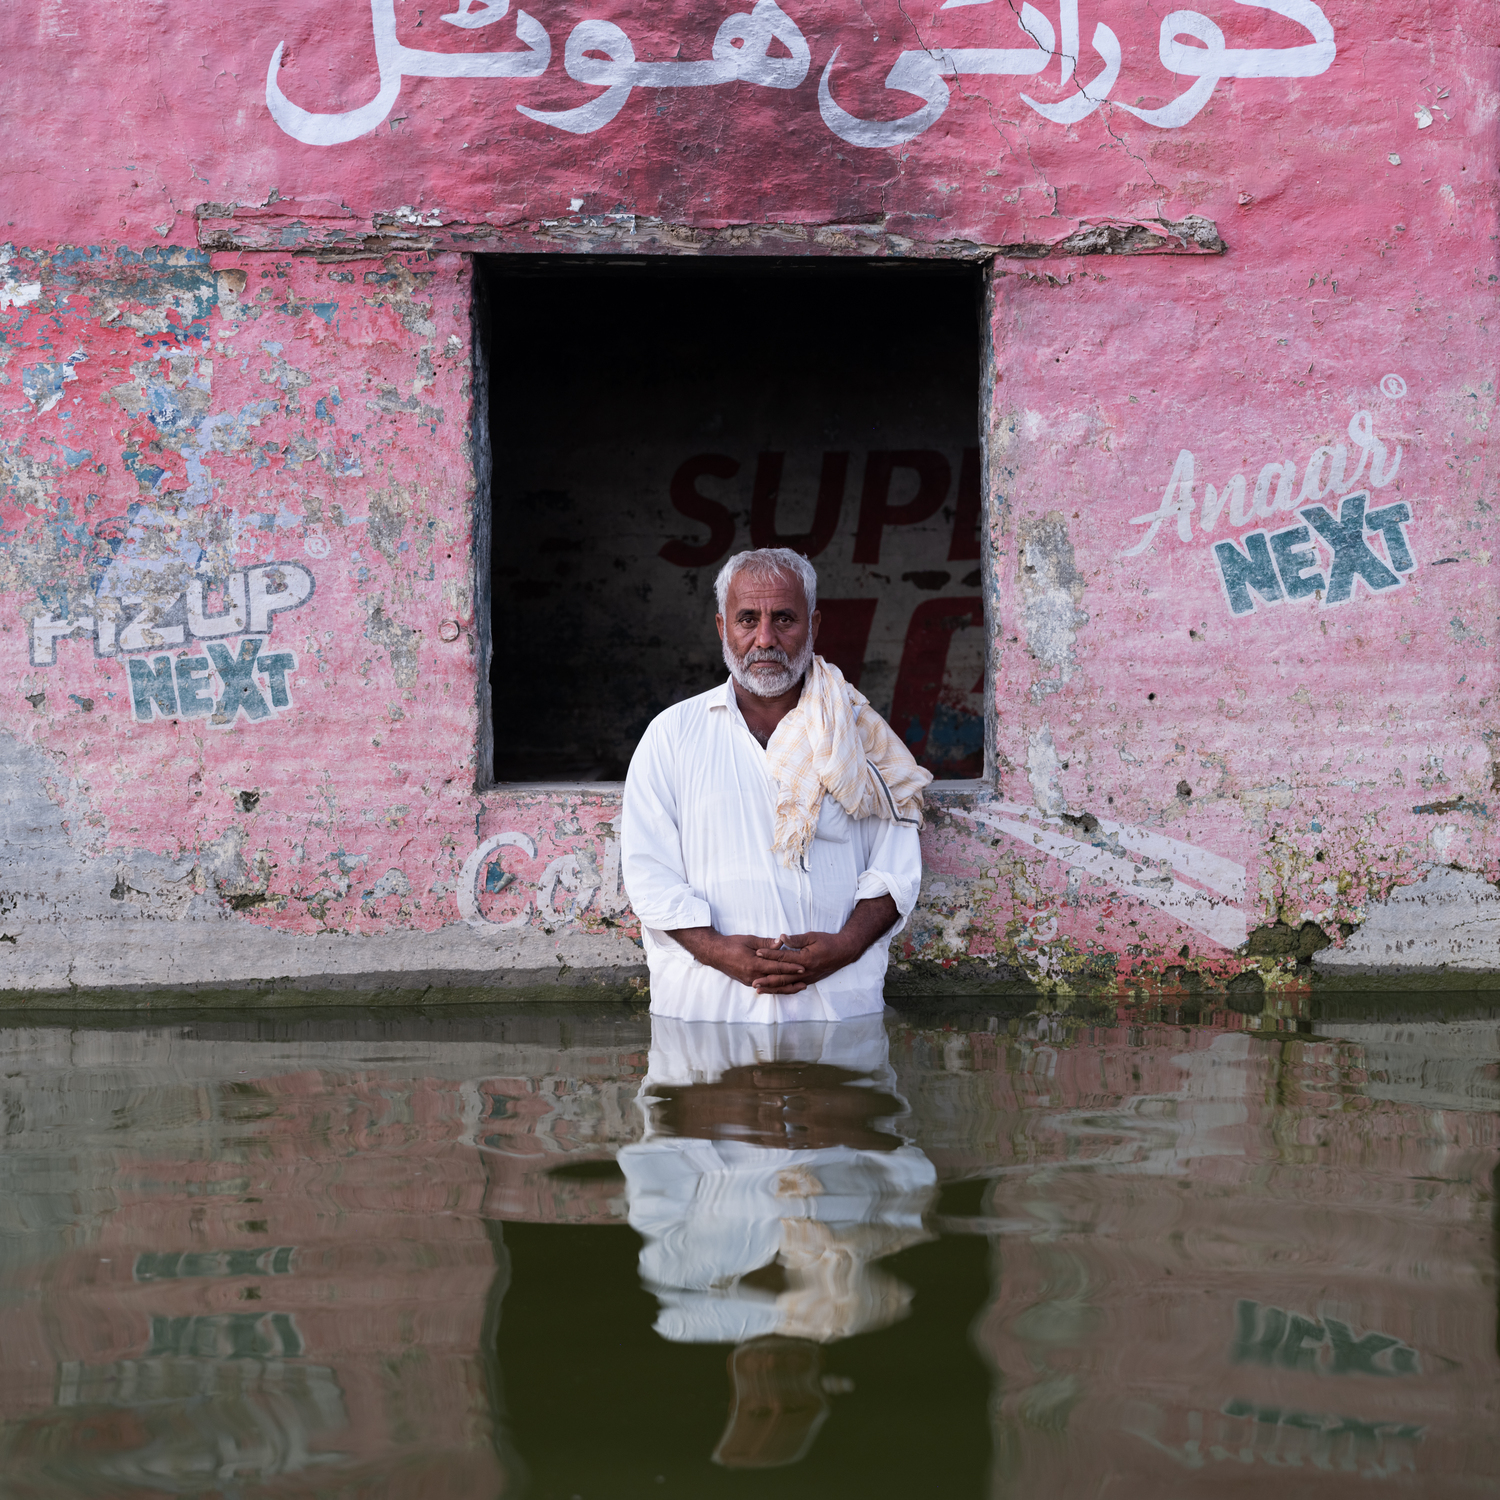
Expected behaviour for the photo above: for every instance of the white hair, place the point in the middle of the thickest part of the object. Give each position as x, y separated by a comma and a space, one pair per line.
769, 562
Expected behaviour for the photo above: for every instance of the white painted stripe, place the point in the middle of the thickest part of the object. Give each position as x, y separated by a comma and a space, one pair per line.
1202, 865
1216, 919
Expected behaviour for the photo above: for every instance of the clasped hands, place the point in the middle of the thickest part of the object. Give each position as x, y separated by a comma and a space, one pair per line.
789, 963
784, 966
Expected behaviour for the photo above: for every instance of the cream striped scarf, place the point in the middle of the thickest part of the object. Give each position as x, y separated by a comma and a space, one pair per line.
834, 742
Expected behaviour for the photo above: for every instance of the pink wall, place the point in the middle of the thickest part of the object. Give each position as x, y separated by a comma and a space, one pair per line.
1331, 744
229, 349
124, 119
230, 418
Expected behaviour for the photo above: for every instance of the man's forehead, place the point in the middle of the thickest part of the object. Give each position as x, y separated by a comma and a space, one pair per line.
766, 592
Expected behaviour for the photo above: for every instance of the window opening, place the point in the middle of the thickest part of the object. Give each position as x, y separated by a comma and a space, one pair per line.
650, 416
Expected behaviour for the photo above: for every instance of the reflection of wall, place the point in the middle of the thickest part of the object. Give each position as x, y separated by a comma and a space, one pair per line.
775, 408
1221, 1259
548, 1131
272, 1261
1275, 1247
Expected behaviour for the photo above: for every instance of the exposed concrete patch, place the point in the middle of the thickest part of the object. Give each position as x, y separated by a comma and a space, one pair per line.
399, 642
1193, 235
50, 962
1282, 940
1258, 800
1044, 772
48, 873
1051, 590
390, 509
912, 979
13, 291
170, 894
1447, 921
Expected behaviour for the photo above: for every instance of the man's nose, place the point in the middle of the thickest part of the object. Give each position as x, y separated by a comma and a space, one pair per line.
765, 633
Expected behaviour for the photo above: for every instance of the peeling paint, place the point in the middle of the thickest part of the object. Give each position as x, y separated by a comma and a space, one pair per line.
1042, 771
1239, 660
1051, 595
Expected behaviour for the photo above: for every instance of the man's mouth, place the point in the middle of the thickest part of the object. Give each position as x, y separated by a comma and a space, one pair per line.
774, 669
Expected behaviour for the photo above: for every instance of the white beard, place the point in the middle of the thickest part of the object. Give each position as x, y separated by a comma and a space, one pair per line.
768, 684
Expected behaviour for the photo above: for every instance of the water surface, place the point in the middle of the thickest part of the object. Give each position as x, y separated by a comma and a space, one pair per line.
557, 1255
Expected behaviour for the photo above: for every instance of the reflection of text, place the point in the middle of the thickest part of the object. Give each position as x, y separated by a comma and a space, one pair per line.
1265, 1335
1282, 1437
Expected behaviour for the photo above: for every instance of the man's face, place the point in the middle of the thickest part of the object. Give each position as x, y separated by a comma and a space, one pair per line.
767, 633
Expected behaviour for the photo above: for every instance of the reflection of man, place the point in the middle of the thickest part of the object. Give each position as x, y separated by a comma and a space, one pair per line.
769, 831
767, 1187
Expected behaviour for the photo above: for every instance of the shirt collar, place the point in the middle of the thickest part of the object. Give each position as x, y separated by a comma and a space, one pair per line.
731, 704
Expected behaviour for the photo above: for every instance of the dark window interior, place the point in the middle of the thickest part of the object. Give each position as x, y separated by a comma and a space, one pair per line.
648, 417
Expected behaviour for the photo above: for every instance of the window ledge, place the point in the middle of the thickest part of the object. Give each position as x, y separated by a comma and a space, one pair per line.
948, 790
525, 788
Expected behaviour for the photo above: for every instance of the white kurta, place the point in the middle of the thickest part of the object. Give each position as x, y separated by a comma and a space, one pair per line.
695, 836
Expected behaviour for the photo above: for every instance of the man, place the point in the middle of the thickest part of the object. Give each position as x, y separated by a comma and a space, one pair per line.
769, 833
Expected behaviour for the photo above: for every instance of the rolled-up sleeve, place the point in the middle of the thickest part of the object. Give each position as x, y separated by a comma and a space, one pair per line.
893, 865
651, 862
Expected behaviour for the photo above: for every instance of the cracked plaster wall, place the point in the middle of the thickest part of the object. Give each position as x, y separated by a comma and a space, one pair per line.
279, 430
1339, 751
290, 432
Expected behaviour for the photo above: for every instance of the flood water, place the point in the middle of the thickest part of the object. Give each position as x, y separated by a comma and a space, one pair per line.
567, 1254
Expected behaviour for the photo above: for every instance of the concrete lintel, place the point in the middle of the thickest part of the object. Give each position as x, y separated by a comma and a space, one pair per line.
325, 233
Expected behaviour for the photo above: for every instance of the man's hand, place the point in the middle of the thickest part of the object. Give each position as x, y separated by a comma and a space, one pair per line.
750, 960
819, 953
825, 953
786, 965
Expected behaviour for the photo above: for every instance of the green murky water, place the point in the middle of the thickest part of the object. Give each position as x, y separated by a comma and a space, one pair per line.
558, 1255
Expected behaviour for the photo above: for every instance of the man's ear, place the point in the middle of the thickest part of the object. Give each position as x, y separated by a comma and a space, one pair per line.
719, 623
812, 626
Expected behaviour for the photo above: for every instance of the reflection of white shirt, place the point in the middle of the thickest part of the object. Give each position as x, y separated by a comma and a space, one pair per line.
695, 834
711, 1212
